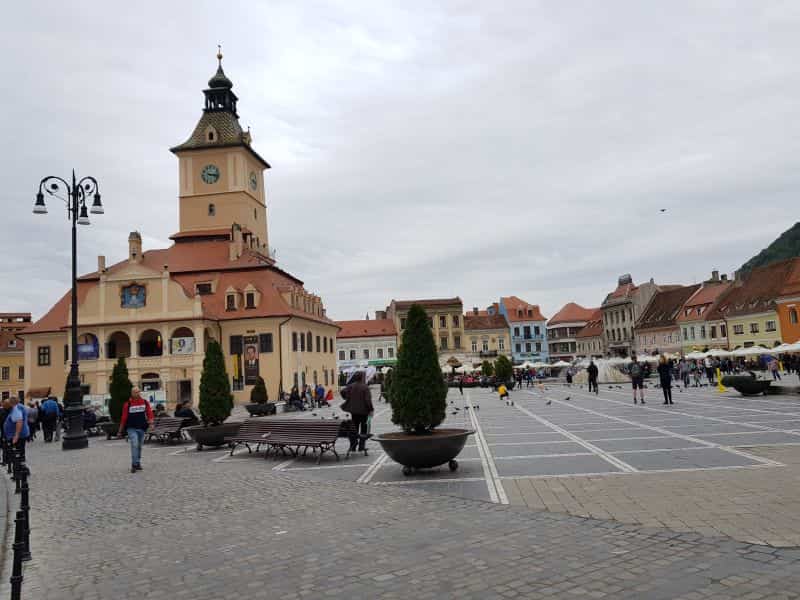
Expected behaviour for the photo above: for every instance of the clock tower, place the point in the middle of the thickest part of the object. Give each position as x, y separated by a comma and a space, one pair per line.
221, 177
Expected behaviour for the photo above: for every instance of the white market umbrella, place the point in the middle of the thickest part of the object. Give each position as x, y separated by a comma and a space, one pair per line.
752, 351
719, 352
560, 364
794, 347
696, 355
369, 373
780, 349
648, 358
617, 360
526, 365
540, 365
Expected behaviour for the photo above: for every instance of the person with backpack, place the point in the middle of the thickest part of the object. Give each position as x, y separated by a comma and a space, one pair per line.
636, 371
592, 372
137, 416
49, 414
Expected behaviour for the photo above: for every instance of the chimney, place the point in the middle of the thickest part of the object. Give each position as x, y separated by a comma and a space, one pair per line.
101, 263
134, 247
475, 310
724, 277
380, 314
714, 275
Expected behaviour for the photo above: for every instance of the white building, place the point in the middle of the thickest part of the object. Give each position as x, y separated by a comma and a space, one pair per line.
364, 342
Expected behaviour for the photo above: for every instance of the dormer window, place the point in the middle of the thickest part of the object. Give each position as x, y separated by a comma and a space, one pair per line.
230, 302
203, 288
250, 300
211, 134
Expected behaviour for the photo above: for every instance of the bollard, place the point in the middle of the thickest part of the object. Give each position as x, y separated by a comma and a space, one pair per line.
16, 459
16, 569
24, 507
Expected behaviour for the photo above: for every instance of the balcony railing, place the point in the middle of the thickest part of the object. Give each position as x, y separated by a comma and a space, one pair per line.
487, 353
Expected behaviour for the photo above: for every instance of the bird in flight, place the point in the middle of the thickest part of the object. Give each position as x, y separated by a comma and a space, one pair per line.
663, 210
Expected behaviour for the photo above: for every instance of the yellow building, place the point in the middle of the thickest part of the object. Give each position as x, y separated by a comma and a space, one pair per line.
12, 354
446, 319
160, 307
488, 337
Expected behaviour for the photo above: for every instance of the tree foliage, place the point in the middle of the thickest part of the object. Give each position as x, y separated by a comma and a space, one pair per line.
786, 246
119, 388
258, 395
216, 400
387, 385
503, 368
487, 368
418, 390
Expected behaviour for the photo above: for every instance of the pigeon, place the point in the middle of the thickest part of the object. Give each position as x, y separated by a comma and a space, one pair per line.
663, 210
567, 398
477, 407
548, 403
313, 414
512, 403
454, 413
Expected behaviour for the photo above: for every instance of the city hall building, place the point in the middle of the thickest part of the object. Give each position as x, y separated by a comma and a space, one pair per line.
217, 281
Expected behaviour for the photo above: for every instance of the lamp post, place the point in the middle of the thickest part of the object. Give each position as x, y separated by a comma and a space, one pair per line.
75, 197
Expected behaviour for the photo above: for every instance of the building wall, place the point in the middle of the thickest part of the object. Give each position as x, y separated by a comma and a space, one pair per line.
11, 384
487, 344
661, 339
234, 200
768, 325
562, 344
375, 345
448, 335
591, 346
53, 375
697, 335
789, 315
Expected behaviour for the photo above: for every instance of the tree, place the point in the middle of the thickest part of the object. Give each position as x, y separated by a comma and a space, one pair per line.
487, 368
503, 368
216, 400
119, 389
418, 390
387, 386
258, 395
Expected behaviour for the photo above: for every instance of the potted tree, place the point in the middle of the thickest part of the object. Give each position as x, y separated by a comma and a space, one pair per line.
259, 400
504, 371
417, 393
120, 391
747, 385
216, 401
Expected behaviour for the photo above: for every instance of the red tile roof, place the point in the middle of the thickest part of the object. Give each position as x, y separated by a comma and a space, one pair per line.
472, 322
757, 291
201, 261
365, 328
7, 338
513, 304
664, 308
593, 327
700, 304
571, 313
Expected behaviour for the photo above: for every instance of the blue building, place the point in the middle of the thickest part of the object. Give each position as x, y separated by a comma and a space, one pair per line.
528, 328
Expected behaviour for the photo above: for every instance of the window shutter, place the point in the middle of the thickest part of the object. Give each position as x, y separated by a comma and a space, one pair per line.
236, 344
265, 342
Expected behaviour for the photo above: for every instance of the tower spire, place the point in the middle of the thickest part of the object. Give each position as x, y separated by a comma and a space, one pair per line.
219, 55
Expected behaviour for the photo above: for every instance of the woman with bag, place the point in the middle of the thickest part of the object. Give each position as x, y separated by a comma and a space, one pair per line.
358, 402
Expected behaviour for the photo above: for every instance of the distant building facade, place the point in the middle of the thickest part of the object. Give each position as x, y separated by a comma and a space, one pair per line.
366, 342
621, 308
12, 355
563, 328
657, 330
698, 332
446, 317
487, 337
590, 340
528, 328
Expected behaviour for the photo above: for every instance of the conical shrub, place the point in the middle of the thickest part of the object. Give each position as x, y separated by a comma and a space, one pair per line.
216, 400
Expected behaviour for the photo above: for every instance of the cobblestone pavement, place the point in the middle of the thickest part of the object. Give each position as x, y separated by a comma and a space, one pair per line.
190, 527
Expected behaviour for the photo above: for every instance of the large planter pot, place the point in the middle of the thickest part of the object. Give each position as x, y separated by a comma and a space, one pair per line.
260, 410
746, 385
212, 435
424, 451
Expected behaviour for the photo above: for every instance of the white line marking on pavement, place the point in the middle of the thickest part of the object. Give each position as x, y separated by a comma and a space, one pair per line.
496, 491
282, 465
649, 471
590, 447
688, 438
367, 475
431, 480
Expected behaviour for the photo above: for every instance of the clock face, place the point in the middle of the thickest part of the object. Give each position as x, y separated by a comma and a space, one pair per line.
253, 181
210, 174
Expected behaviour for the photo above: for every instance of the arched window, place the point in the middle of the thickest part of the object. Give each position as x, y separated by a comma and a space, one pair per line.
212, 210
150, 343
308, 342
303, 377
119, 345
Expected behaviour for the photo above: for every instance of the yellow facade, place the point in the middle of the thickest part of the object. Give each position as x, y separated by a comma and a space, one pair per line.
487, 344
12, 371
761, 329
447, 322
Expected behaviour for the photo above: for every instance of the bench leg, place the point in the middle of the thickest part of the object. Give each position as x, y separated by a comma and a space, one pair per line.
233, 447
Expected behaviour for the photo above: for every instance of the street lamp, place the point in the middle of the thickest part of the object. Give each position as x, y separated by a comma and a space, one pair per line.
75, 197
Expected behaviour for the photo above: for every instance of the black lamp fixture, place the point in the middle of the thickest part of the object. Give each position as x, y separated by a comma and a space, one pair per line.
75, 197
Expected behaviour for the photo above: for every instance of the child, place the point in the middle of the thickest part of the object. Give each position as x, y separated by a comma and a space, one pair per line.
503, 391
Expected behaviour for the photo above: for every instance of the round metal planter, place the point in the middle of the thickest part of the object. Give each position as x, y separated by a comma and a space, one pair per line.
424, 451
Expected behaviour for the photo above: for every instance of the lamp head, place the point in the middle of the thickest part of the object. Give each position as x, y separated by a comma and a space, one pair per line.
97, 206
39, 208
83, 217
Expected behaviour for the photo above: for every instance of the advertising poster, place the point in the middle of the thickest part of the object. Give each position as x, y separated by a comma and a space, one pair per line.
250, 359
134, 296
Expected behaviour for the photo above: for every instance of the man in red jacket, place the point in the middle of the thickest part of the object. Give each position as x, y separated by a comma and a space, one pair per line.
137, 416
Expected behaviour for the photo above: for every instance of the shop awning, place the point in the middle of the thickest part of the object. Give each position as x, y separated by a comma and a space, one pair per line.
383, 362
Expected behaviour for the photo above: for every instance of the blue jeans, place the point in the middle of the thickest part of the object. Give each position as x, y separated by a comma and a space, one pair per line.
136, 438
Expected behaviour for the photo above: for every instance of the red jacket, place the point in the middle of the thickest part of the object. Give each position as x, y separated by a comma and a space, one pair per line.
136, 413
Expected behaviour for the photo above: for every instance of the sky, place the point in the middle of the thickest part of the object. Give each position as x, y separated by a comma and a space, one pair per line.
421, 149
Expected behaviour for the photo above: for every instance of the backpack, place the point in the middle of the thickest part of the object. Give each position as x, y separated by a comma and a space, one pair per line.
636, 370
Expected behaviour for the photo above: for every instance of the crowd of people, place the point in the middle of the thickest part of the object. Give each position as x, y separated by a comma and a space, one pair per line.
308, 397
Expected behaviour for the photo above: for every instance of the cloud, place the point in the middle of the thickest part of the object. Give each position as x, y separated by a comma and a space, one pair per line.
461, 149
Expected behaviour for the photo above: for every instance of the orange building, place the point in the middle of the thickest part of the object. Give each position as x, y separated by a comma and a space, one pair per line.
788, 305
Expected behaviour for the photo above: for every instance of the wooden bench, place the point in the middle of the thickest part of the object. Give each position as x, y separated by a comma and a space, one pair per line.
252, 431
293, 434
166, 429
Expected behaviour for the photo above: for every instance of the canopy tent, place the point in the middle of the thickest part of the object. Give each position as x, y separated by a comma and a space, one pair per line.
719, 352
540, 365
752, 351
794, 347
526, 365
369, 373
696, 355
560, 364
649, 358
780, 349
465, 368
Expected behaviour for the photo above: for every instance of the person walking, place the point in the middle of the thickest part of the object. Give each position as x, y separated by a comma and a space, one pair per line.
683, 371
665, 378
137, 416
636, 372
48, 415
358, 402
15, 427
461, 385
32, 413
774, 369
592, 372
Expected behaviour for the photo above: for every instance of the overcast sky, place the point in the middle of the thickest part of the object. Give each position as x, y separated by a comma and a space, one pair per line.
428, 150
